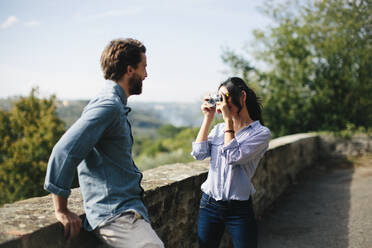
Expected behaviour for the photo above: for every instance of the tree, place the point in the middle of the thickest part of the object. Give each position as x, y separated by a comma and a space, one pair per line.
28, 133
318, 65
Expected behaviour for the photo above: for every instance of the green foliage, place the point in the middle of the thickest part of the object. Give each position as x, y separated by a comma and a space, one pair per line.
351, 130
173, 145
168, 131
318, 66
28, 133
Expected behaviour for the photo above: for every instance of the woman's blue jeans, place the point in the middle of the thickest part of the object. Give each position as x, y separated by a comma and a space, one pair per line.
237, 216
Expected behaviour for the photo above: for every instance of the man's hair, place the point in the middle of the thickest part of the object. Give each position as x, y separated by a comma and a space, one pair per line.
118, 54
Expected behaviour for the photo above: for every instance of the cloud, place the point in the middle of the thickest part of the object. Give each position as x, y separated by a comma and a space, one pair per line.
32, 23
9, 22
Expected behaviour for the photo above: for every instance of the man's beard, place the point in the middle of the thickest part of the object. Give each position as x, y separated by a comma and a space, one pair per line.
135, 85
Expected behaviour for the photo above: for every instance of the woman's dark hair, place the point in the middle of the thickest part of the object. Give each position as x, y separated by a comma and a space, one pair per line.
118, 54
235, 86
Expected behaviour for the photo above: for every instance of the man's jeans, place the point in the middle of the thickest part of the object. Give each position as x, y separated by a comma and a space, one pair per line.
237, 216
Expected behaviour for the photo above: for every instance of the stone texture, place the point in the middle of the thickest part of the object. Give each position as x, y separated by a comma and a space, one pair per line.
172, 194
337, 147
173, 205
23, 218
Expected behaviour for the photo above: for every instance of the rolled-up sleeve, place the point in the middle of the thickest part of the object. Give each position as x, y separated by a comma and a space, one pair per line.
202, 150
236, 152
76, 143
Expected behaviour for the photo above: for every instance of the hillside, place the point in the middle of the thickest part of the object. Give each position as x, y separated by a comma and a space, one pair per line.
145, 117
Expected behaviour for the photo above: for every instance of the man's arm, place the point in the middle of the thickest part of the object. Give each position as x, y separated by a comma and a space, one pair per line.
70, 221
67, 154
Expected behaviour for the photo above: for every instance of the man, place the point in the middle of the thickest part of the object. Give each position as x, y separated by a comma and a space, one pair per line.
99, 144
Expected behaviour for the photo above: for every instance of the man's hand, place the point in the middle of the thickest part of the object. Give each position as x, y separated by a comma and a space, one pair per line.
70, 221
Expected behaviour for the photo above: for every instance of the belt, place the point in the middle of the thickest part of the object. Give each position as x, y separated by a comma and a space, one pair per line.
210, 199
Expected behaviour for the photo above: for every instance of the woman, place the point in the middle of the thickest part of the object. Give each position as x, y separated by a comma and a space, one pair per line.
235, 147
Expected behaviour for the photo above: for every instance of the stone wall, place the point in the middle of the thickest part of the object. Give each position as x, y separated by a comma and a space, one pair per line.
172, 194
330, 146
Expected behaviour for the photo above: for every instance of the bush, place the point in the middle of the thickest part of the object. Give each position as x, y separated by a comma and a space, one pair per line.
28, 133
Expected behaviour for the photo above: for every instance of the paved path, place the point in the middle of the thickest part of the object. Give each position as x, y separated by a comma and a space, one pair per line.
330, 207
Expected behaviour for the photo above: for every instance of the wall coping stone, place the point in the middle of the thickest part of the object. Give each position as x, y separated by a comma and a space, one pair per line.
285, 140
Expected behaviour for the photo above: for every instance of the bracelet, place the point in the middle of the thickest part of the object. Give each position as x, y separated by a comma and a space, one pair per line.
229, 131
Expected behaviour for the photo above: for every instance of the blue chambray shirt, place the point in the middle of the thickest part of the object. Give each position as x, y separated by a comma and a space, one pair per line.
232, 166
99, 144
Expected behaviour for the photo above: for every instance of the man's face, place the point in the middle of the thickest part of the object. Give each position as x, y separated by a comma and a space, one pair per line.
135, 82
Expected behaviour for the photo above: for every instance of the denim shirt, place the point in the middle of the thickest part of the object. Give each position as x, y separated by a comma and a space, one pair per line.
232, 166
99, 145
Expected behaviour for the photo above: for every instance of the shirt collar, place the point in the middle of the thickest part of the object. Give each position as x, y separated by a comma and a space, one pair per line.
118, 90
254, 124
121, 93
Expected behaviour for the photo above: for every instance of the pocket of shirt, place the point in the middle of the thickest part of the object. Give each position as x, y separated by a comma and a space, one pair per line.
216, 145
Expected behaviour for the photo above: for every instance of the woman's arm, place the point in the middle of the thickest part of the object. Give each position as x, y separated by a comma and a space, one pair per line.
200, 148
208, 113
240, 152
203, 131
223, 108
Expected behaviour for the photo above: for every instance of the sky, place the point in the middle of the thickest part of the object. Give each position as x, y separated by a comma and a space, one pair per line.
56, 45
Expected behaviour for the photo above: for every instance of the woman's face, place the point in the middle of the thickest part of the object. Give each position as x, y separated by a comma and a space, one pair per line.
233, 109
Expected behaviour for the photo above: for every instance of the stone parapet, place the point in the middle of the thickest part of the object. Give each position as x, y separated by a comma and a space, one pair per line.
172, 194
355, 146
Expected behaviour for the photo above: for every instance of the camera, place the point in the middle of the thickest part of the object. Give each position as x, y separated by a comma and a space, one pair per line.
213, 99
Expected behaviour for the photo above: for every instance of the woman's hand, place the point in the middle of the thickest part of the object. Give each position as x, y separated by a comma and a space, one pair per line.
224, 109
207, 110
